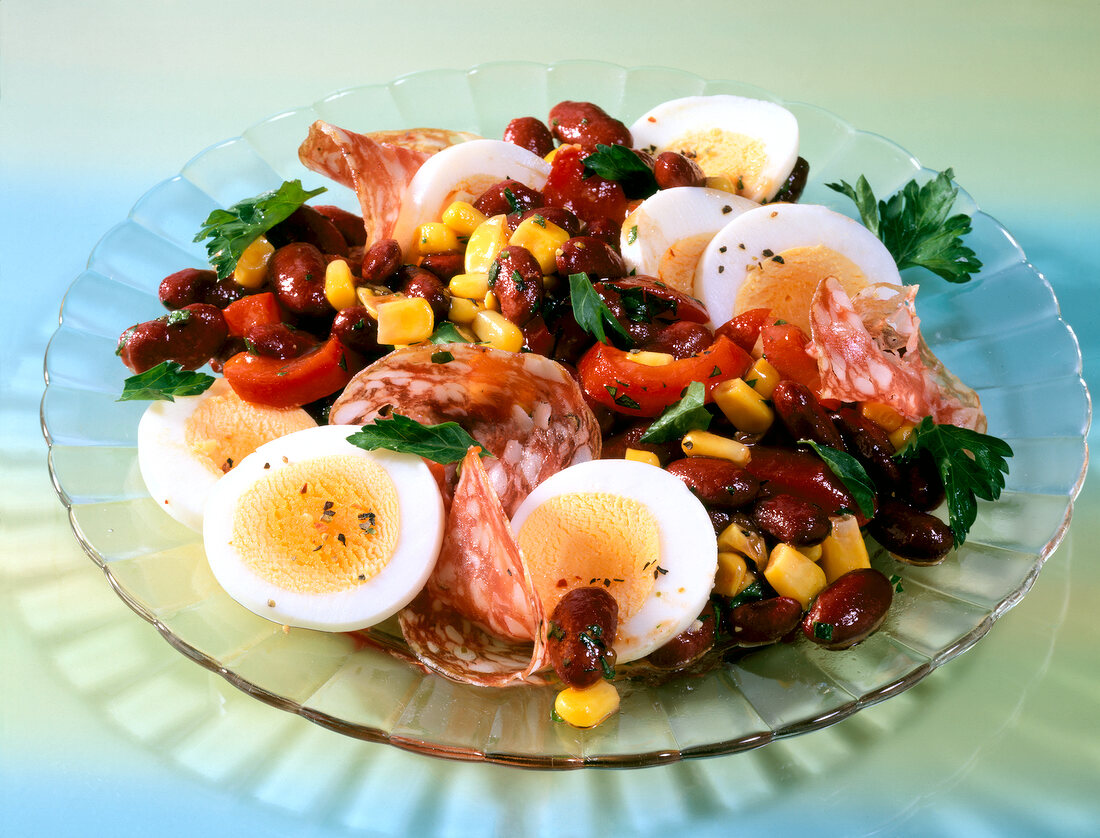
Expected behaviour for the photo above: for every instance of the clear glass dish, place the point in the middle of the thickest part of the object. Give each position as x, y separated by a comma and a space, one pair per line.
1001, 333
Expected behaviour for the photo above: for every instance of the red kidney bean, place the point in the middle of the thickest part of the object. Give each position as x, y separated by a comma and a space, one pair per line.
912, 536
849, 610
614, 447
803, 415
681, 339
920, 484
555, 215
589, 255
230, 347
672, 169
537, 337
185, 287
587, 125
801, 473
298, 274
417, 282
690, 644
357, 330
581, 636
190, 336
380, 261
307, 225
607, 230
349, 224
716, 482
516, 279
866, 440
278, 340
530, 133
792, 519
223, 292
763, 621
792, 188
444, 265
507, 196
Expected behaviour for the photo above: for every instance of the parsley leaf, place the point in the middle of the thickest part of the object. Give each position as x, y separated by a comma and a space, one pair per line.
620, 164
447, 332
232, 230
591, 312
915, 226
641, 306
971, 464
444, 443
688, 414
163, 383
850, 472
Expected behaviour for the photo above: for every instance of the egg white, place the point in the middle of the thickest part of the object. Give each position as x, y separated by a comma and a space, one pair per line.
687, 543
420, 535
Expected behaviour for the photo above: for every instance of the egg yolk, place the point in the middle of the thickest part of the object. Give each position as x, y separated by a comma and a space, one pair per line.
224, 429
592, 538
785, 282
676, 267
737, 156
318, 526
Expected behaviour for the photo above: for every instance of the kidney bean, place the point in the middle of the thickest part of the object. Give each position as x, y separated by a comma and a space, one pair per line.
587, 125
507, 196
516, 279
803, 415
230, 347
555, 215
913, 536
849, 610
792, 519
298, 274
530, 133
607, 230
801, 473
537, 337
589, 255
357, 330
185, 287
681, 339
716, 482
278, 340
190, 336
444, 265
690, 644
614, 447
920, 484
673, 169
763, 621
792, 188
223, 292
307, 225
380, 261
868, 442
349, 224
417, 282
581, 634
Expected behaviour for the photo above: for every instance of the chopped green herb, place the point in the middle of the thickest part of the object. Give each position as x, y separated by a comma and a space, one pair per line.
641, 306
632, 234
823, 631
443, 443
622, 165
442, 357
850, 472
513, 203
591, 312
163, 383
177, 317
688, 414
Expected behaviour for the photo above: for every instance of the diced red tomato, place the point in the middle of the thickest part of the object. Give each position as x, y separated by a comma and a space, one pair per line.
255, 310
292, 383
610, 378
587, 196
744, 329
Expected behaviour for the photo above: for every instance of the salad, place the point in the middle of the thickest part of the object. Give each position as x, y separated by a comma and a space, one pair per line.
589, 402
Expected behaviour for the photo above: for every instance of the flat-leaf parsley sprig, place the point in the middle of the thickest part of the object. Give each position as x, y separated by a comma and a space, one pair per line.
447, 442
164, 382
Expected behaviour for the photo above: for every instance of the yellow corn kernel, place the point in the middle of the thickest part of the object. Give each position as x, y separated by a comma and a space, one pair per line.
844, 549
813, 552
706, 444
473, 286
462, 311
404, 321
339, 286
763, 377
550, 282
485, 243
735, 539
490, 301
640, 456
733, 574
746, 409
650, 359
587, 706
721, 182
900, 437
882, 415
551, 154
542, 238
498, 331
463, 217
436, 237
793, 575
251, 269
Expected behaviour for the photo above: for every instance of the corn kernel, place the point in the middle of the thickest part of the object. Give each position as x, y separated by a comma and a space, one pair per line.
882, 415
901, 436
844, 549
463, 217
813, 552
587, 706
640, 456
763, 377
744, 407
721, 182
251, 268
793, 575
733, 574
542, 238
339, 286
472, 286
485, 243
436, 237
498, 331
490, 301
463, 311
706, 444
372, 300
405, 321
734, 539
650, 359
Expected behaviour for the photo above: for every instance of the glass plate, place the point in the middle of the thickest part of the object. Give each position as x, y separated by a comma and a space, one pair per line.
1001, 333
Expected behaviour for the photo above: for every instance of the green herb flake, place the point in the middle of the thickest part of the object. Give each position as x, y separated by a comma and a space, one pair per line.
688, 414
632, 234
177, 318
850, 472
622, 165
163, 383
823, 631
442, 357
444, 443
590, 311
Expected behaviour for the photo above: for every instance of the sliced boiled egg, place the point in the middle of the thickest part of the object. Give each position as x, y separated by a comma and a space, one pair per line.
775, 256
631, 527
461, 173
311, 531
665, 235
752, 142
185, 446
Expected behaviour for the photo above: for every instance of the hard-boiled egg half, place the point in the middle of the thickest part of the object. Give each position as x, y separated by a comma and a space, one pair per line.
631, 527
752, 142
185, 446
311, 531
775, 256
461, 173
665, 235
